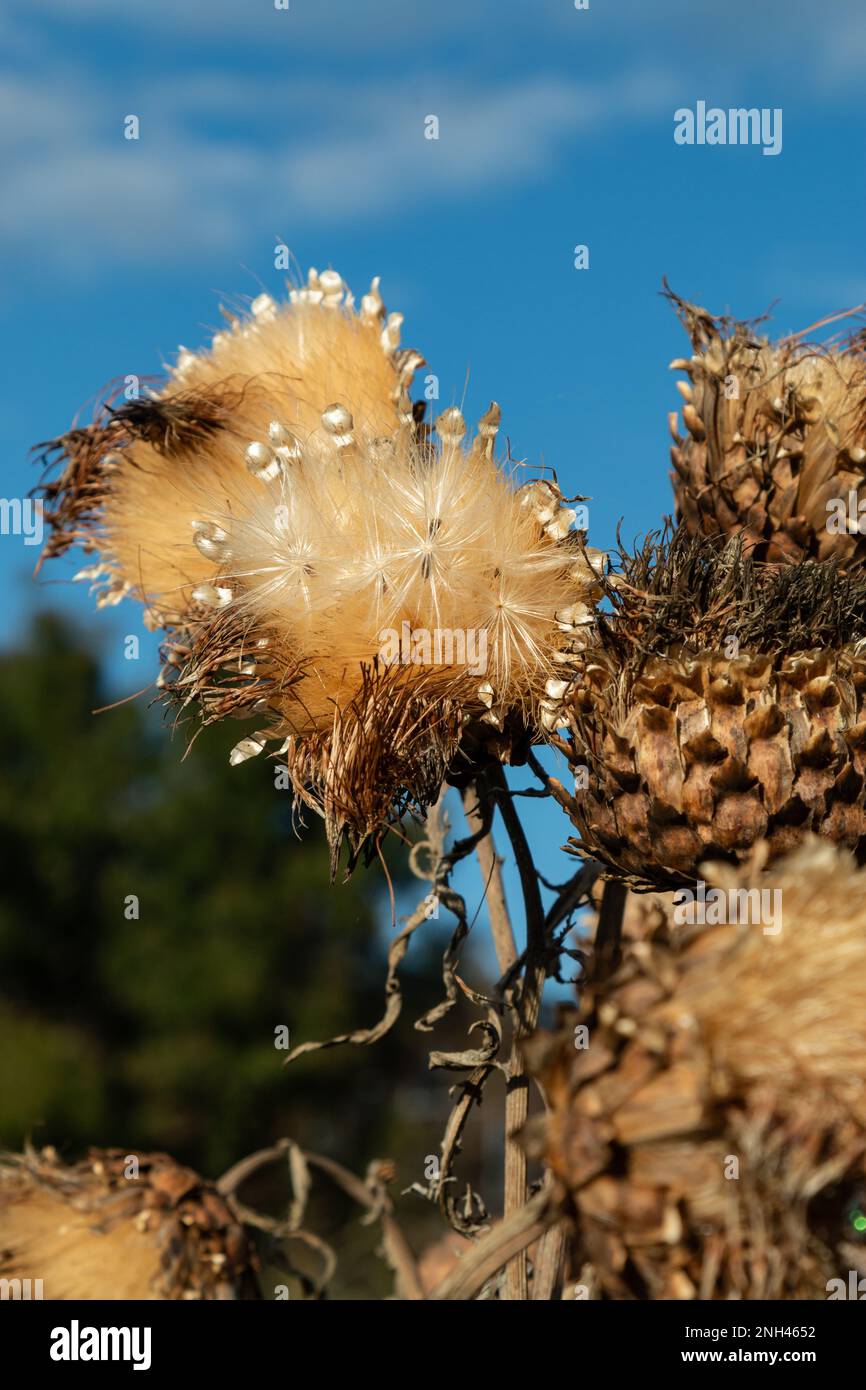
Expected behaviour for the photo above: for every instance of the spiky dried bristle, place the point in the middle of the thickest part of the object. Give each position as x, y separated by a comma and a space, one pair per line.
775, 432
710, 1141
719, 701
108, 1228
323, 564
680, 594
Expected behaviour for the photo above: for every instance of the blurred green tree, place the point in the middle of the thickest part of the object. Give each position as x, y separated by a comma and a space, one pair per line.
159, 920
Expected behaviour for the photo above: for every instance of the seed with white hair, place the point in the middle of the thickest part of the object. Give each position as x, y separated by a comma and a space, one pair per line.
212, 595
210, 539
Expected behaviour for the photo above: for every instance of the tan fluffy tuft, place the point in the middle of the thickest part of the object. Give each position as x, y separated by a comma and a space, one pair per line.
321, 562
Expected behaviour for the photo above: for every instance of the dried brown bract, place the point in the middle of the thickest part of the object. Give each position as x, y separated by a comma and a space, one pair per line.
775, 439
720, 702
707, 1130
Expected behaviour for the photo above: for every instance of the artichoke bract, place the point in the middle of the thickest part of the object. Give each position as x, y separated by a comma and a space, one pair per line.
720, 702
774, 445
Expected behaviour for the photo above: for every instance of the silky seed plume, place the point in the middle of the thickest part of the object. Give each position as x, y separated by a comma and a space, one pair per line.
367, 589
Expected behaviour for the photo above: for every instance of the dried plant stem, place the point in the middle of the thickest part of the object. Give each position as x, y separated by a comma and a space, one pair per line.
507, 1240
370, 1194
548, 1264
529, 1005
491, 875
608, 936
506, 955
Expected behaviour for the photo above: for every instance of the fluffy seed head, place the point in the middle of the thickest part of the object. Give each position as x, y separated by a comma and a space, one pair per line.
322, 561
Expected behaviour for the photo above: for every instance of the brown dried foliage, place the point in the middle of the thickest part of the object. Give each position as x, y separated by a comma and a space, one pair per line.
709, 1141
90, 1232
773, 432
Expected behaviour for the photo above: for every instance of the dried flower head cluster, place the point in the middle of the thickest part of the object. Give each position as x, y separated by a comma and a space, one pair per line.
775, 438
95, 1230
365, 589
720, 702
709, 1137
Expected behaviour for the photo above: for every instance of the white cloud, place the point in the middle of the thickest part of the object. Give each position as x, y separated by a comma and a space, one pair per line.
843, 52
329, 25
724, 41
488, 138
229, 153
283, 158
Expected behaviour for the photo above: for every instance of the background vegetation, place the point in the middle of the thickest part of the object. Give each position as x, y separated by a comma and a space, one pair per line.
158, 1033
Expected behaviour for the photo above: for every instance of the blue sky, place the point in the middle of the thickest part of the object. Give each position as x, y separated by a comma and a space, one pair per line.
306, 126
